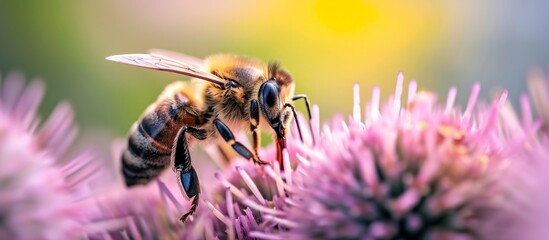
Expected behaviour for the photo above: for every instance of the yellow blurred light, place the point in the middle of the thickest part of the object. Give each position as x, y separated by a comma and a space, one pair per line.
344, 16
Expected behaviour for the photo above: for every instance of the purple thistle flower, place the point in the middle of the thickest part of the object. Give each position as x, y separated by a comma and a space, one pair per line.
423, 171
42, 189
420, 171
522, 207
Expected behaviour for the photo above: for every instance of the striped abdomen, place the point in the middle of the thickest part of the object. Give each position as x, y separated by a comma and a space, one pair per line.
151, 139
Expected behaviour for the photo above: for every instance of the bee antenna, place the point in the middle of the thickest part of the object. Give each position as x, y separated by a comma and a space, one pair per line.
273, 68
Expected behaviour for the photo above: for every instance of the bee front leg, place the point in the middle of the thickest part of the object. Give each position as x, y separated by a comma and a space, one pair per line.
308, 105
287, 105
254, 122
186, 175
228, 136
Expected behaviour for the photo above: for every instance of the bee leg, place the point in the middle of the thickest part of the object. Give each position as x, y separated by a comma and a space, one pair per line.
287, 105
228, 136
186, 175
254, 122
308, 105
191, 185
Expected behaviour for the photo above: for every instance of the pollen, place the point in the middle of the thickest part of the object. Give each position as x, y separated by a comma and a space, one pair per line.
451, 132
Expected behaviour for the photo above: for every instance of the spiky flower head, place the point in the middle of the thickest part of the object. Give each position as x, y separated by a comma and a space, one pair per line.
422, 171
525, 208
41, 188
418, 170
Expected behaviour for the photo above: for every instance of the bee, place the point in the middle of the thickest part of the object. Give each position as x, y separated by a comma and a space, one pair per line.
228, 91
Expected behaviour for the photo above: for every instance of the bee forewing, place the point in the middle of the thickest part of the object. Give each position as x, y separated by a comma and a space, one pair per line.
178, 57
166, 64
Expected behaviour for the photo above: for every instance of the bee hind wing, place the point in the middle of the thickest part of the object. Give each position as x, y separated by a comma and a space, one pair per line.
162, 63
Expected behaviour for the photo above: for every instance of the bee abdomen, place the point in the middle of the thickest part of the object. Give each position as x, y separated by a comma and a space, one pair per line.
151, 139
144, 158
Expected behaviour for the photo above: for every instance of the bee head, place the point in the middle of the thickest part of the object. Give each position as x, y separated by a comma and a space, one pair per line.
272, 97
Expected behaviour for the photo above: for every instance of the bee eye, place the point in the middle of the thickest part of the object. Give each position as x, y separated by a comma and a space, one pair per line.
232, 84
268, 94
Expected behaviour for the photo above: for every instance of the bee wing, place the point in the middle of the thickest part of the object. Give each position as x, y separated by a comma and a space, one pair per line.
163, 63
178, 57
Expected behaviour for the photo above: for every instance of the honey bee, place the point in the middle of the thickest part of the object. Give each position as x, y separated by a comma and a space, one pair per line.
227, 92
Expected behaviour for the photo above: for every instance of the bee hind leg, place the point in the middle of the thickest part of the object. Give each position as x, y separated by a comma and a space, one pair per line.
228, 136
191, 186
186, 175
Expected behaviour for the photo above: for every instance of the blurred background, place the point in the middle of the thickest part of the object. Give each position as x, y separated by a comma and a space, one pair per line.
326, 45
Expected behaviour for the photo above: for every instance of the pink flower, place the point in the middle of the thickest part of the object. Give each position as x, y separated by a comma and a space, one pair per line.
523, 209
422, 171
41, 188
412, 170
